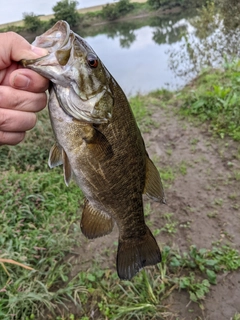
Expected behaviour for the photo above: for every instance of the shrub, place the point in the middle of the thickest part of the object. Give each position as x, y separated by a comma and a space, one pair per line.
114, 11
66, 10
31, 22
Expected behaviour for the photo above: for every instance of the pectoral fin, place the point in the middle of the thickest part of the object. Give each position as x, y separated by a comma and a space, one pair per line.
95, 223
97, 142
55, 156
67, 170
153, 184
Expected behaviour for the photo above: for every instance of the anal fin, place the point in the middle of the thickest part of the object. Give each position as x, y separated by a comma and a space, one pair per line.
95, 223
153, 184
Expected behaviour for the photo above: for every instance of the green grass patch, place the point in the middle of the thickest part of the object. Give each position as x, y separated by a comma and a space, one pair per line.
38, 224
214, 98
140, 107
32, 153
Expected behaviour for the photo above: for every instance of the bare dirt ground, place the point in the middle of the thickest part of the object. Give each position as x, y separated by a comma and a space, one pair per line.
204, 198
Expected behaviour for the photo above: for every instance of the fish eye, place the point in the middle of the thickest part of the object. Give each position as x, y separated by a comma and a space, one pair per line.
92, 60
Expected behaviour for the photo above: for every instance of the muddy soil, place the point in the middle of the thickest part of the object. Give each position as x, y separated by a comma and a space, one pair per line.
204, 198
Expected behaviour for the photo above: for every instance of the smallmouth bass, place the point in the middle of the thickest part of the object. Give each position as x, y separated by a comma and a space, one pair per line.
99, 144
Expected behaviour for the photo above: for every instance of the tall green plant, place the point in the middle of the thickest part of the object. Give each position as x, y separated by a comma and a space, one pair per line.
114, 11
31, 22
66, 10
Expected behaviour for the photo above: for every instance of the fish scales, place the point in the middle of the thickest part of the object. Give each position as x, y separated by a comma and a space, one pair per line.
99, 144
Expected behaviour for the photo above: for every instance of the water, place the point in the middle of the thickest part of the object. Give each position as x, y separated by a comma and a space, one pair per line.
137, 53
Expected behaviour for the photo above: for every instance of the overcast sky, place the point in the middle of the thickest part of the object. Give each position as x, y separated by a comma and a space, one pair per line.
12, 10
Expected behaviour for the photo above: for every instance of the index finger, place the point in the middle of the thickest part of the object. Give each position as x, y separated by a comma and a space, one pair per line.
16, 48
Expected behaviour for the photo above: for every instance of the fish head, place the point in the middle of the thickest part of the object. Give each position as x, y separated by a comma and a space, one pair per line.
81, 81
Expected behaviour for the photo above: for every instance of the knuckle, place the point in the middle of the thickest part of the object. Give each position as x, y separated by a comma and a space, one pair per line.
3, 118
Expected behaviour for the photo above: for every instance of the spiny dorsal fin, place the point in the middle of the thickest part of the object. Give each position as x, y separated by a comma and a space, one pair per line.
55, 156
95, 223
153, 184
67, 170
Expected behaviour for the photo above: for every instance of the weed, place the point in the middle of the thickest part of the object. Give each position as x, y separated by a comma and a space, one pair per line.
170, 226
141, 112
213, 214
215, 100
197, 289
236, 316
167, 175
183, 168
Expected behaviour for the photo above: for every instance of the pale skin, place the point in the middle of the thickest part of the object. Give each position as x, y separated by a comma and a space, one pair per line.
22, 91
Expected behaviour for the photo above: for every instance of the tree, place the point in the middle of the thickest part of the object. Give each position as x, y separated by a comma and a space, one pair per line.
31, 21
66, 10
116, 10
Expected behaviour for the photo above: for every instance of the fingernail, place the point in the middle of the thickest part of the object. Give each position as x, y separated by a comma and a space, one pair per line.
20, 81
39, 51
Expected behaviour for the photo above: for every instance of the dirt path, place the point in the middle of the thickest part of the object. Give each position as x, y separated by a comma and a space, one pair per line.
204, 201
203, 197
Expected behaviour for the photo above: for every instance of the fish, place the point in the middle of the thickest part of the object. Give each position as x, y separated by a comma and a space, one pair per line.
100, 146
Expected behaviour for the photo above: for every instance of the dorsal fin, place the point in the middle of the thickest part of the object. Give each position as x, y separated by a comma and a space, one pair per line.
55, 156
153, 184
95, 223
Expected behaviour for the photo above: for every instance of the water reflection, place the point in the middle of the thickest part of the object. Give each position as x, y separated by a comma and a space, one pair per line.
165, 29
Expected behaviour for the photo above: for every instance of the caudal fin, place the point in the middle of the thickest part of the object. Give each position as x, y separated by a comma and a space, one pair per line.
135, 254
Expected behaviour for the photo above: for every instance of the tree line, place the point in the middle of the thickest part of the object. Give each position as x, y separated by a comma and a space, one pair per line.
67, 10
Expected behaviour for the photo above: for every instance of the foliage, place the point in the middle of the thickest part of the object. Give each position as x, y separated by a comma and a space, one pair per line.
116, 10
31, 22
215, 98
156, 4
229, 10
66, 10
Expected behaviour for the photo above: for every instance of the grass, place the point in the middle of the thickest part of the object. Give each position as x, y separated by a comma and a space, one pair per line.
142, 113
38, 225
214, 98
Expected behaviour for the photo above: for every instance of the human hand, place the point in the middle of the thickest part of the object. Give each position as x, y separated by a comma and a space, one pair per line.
22, 91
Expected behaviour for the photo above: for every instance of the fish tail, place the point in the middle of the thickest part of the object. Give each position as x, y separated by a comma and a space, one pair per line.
134, 254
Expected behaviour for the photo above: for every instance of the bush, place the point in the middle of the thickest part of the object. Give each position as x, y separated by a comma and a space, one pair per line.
66, 10
31, 22
114, 11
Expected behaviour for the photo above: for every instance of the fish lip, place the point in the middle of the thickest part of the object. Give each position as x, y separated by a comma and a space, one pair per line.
38, 42
27, 62
60, 27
